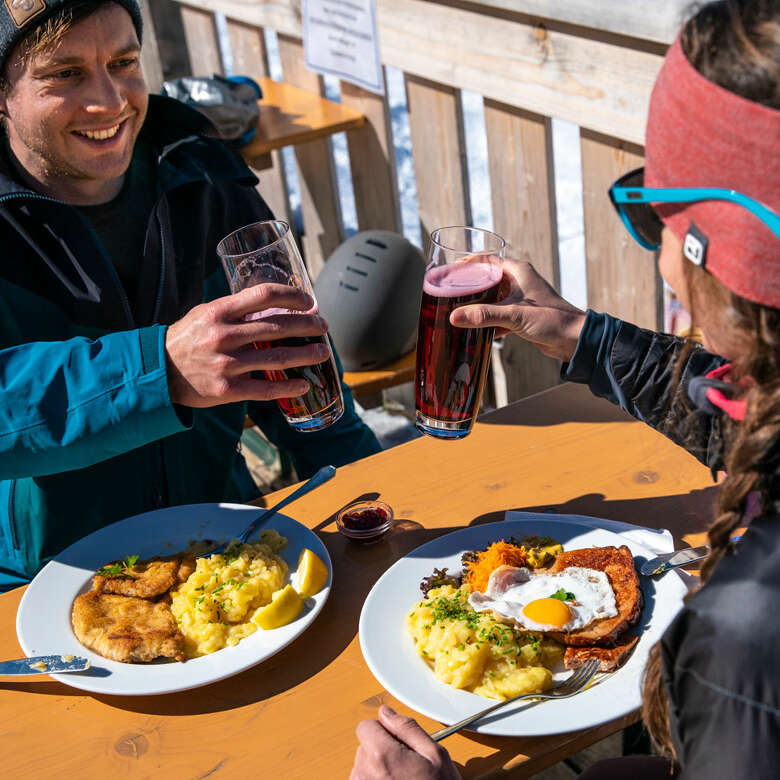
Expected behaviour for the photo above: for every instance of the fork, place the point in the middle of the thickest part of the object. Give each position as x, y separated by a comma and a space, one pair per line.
569, 687
323, 475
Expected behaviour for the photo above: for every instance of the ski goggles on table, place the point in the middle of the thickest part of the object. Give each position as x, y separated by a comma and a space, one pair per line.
632, 201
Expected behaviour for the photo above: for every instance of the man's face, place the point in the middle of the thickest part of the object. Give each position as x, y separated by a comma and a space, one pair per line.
73, 112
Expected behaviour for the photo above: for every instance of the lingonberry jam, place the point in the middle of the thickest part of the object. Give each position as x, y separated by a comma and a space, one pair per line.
365, 521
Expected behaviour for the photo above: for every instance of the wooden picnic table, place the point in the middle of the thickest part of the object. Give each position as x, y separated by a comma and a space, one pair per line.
289, 116
294, 715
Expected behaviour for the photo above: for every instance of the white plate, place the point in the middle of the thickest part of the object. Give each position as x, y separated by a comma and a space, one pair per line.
43, 621
390, 653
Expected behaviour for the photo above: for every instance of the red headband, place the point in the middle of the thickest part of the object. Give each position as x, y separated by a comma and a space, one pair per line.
701, 135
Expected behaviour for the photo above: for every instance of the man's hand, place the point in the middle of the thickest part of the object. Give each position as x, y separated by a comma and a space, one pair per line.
210, 351
396, 747
531, 309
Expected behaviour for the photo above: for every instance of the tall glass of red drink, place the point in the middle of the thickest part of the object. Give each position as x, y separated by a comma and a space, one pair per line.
266, 252
464, 267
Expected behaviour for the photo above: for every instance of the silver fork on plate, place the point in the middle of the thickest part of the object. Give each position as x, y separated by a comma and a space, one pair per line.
569, 687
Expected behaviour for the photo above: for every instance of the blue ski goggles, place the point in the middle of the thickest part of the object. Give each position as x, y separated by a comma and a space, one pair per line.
632, 201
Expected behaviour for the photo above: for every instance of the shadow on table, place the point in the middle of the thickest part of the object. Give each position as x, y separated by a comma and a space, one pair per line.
681, 513
561, 404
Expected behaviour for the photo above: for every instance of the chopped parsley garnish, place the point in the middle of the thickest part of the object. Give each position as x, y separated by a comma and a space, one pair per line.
119, 568
563, 595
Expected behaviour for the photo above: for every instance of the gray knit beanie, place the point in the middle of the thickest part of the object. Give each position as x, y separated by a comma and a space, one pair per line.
19, 17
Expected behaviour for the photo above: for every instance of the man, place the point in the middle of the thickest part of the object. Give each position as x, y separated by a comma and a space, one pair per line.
125, 367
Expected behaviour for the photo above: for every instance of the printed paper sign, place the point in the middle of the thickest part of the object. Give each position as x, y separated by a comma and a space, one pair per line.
340, 39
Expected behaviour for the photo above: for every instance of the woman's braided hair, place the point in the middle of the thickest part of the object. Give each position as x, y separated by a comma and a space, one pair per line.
736, 44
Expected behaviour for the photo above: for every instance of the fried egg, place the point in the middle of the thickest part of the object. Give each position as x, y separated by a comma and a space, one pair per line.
540, 601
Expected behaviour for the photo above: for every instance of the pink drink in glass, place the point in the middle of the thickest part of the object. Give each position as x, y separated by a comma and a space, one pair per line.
452, 362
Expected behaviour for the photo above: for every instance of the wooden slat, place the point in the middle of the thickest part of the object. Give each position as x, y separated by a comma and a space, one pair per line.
438, 150
623, 277
372, 159
169, 34
320, 205
595, 80
654, 20
250, 58
523, 197
150, 52
200, 32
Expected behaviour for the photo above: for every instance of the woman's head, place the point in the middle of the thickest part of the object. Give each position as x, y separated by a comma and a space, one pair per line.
735, 299
714, 122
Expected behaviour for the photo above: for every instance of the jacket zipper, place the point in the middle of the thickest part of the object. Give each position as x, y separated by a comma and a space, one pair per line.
12, 515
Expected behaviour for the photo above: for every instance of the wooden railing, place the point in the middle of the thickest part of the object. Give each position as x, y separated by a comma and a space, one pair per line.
592, 62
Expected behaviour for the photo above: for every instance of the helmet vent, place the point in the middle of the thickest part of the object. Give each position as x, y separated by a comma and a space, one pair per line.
374, 242
357, 271
348, 286
365, 257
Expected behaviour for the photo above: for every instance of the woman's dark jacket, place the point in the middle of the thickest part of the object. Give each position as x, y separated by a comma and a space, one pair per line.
721, 653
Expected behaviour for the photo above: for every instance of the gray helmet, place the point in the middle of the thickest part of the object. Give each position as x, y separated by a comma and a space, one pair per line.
369, 291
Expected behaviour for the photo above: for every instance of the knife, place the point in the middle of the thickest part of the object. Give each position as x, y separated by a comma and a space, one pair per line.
44, 664
677, 558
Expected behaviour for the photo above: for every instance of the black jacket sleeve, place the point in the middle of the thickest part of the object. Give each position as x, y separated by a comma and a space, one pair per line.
635, 368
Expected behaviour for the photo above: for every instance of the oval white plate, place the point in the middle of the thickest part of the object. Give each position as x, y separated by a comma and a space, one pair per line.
390, 654
43, 622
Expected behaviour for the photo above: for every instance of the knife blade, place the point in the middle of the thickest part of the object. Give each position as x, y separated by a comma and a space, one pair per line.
677, 558
44, 664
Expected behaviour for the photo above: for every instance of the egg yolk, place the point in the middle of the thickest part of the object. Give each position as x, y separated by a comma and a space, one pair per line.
550, 612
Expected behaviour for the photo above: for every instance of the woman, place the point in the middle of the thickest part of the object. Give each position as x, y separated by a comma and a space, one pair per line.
712, 686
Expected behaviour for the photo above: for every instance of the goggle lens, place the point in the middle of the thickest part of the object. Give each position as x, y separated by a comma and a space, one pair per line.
642, 216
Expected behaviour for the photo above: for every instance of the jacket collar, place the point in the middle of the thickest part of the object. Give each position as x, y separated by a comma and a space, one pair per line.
185, 153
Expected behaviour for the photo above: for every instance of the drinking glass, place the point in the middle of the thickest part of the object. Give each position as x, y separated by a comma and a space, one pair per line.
464, 266
266, 252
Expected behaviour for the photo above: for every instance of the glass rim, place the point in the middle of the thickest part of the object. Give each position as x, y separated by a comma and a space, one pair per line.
285, 233
502, 241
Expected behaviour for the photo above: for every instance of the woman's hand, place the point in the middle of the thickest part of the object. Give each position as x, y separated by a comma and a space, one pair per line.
531, 309
396, 747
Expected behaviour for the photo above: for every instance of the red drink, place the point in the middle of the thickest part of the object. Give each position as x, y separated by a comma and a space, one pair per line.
323, 379
452, 362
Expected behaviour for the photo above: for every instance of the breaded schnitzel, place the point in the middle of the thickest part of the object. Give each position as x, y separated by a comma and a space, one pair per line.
127, 629
609, 658
145, 579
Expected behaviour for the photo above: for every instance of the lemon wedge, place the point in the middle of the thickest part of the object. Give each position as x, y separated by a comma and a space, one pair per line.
283, 609
312, 574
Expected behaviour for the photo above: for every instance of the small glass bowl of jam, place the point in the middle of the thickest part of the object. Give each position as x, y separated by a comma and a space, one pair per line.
365, 521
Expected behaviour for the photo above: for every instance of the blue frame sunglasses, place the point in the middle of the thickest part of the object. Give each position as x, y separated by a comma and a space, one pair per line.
632, 200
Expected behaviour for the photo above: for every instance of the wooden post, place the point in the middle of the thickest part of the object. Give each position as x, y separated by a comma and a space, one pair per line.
200, 32
439, 153
372, 159
150, 53
250, 58
169, 33
623, 277
320, 203
523, 197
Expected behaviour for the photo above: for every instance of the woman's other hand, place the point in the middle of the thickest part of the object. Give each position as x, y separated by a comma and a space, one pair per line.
530, 308
396, 747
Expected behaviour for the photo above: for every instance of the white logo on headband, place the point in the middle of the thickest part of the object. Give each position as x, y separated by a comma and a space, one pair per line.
695, 245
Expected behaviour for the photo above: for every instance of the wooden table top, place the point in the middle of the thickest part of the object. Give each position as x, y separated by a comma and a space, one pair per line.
295, 715
290, 115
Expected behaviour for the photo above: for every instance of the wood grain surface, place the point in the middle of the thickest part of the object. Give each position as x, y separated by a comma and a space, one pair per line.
294, 716
592, 78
